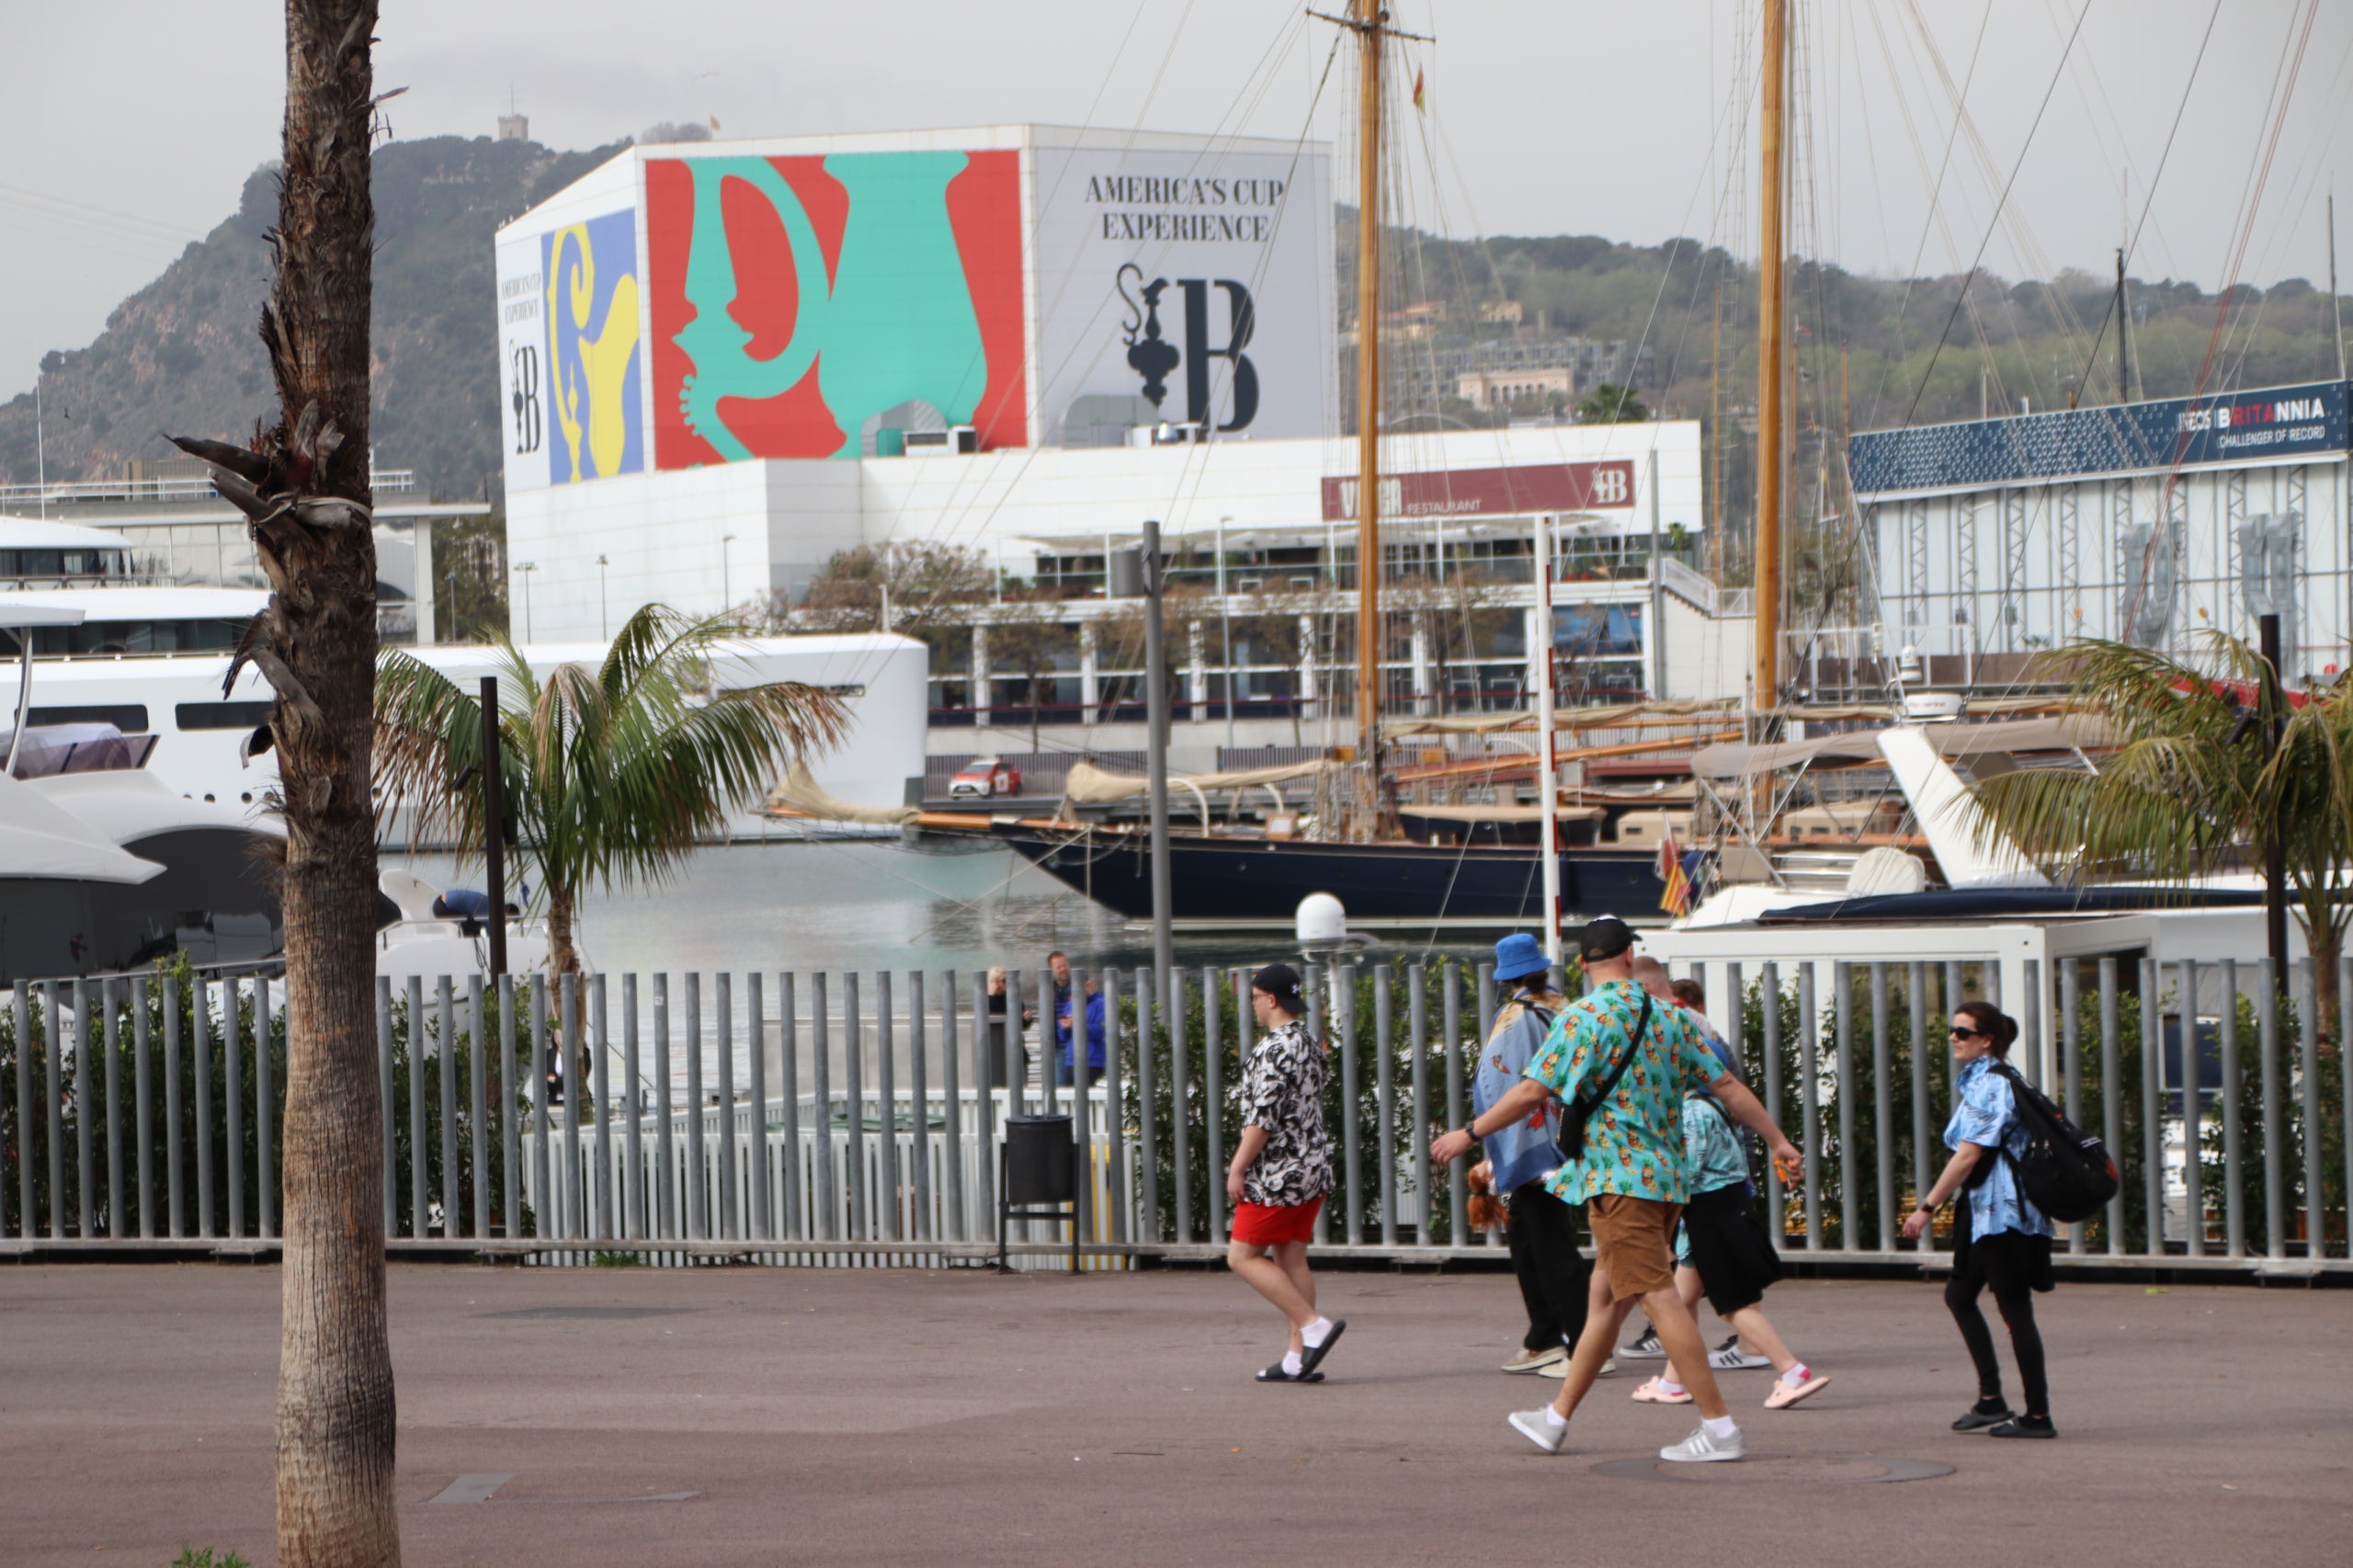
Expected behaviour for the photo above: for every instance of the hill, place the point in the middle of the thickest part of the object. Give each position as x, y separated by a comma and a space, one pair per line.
182, 355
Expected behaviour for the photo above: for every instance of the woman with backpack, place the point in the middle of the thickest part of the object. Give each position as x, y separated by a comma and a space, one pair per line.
2000, 1239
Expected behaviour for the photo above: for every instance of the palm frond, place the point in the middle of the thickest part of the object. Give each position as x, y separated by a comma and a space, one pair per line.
614, 772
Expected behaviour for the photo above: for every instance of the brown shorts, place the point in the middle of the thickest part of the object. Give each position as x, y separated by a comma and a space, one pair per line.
1633, 1243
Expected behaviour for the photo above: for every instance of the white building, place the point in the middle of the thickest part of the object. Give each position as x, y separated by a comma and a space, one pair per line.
725, 363
2149, 523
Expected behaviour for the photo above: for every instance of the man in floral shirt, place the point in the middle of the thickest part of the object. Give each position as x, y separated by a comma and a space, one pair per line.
1282, 1170
1631, 1062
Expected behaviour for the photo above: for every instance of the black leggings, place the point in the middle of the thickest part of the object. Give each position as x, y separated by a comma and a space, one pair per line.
2005, 1262
1553, 1274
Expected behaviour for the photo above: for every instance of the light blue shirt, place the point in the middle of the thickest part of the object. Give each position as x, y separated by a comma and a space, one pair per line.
1986, 1113
1527, 1150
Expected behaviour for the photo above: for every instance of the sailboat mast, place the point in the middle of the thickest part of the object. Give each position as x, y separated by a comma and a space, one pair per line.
1367, 16
1772, 247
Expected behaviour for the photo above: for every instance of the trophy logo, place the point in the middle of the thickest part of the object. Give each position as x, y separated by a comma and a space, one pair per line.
1148, 354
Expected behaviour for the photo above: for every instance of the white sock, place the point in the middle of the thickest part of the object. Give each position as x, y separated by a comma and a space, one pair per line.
1290, 1363
1668, 1385
1554, 1418
1316, 1333
1796, 1376
1720, 1425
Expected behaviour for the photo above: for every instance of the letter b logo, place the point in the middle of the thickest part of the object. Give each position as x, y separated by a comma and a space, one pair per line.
1241, 322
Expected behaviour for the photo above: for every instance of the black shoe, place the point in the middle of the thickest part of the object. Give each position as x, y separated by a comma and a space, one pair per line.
1275, 1374
1977, 1417
2026, 1426
1313, 1357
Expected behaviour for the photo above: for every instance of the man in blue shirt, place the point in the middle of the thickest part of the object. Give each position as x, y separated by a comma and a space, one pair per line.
1541, 1230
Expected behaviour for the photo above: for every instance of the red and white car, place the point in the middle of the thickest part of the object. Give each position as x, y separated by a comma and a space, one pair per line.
984, 777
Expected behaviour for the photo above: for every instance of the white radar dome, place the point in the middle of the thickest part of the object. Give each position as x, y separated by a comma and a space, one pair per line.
1322, 921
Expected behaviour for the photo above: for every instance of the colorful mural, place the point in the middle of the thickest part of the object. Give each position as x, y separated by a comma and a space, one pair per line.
794, 299
597, 423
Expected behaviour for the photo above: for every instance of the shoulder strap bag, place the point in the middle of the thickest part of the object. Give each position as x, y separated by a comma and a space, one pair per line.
1574, 1119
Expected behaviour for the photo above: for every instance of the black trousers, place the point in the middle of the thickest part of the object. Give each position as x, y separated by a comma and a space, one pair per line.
2007, 1263
1553, 1274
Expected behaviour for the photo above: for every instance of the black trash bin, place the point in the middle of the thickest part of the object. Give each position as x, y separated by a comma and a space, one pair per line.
1038, 1176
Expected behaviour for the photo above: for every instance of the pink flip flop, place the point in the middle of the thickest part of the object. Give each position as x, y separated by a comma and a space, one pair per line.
1651, 1394
1783, 1395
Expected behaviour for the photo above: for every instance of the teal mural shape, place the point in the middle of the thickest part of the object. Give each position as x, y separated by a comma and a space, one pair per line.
893, 324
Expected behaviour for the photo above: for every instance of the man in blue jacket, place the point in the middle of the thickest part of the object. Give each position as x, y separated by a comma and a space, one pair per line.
1091, 1006
1553, 1275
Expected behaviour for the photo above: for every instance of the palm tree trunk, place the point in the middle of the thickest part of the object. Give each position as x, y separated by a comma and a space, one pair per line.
317, 643
2326, 942
562, 957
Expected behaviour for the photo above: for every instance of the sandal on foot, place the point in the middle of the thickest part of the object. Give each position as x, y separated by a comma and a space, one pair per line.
1275, 1374
1651, 1394
1785, 1396
1313, 1357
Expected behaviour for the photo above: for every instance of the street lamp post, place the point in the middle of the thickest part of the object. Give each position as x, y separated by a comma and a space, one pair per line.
527, 568
603, 612
726, 577
1225, 623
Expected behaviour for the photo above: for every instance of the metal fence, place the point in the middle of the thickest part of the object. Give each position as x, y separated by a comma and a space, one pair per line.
848, 1116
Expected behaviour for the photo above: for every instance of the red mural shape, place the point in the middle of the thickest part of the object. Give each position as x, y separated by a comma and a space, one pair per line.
984, 209
669, 240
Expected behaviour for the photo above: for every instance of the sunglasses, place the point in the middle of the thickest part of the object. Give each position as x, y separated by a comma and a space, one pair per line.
1967, 1034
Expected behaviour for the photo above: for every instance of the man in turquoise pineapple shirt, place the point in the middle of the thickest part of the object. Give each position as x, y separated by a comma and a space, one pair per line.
1632, 1062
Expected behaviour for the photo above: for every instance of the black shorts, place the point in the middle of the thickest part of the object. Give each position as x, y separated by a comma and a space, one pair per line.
1729, 1247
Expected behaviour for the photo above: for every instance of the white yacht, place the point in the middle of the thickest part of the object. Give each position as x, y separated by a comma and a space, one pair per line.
102, 865
151, 660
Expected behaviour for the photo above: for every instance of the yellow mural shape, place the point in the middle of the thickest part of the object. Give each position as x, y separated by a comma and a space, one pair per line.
598, 372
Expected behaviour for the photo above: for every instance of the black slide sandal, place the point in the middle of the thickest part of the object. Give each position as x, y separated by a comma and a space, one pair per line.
1313, 1357
1275, 1374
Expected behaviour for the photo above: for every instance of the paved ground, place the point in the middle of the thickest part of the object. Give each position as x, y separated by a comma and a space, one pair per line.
889, 1418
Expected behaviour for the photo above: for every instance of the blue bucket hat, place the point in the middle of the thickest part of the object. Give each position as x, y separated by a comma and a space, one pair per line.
1519, 955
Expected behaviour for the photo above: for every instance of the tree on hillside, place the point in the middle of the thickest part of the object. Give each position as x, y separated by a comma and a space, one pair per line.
303, 484
1609, 404
612, 775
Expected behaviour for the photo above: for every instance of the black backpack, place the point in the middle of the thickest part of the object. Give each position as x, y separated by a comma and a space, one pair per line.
2066, 1171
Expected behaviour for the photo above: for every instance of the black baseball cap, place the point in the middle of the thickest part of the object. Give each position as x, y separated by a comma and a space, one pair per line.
1280, 982
1604, 938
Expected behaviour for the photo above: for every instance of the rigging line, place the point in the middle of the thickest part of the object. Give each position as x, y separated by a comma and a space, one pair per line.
969, 523
1195, 461
2033, 261
2299, 202
2261, 176
1934, 218
1999, 207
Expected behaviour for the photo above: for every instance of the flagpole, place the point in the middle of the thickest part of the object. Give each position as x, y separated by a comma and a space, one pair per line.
1547, 768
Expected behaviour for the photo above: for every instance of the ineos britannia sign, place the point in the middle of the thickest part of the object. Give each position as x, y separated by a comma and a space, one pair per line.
1188, 287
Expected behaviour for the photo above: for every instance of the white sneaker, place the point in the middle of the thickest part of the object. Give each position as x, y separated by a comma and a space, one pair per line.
1730, 1358
1537, 1360
1536, 1425
1559, 1370
1702, 1445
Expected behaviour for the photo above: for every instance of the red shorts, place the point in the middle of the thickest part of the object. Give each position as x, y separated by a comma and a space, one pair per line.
1270, 1225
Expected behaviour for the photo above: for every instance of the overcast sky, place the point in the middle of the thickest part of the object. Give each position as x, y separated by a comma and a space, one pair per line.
133, 126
